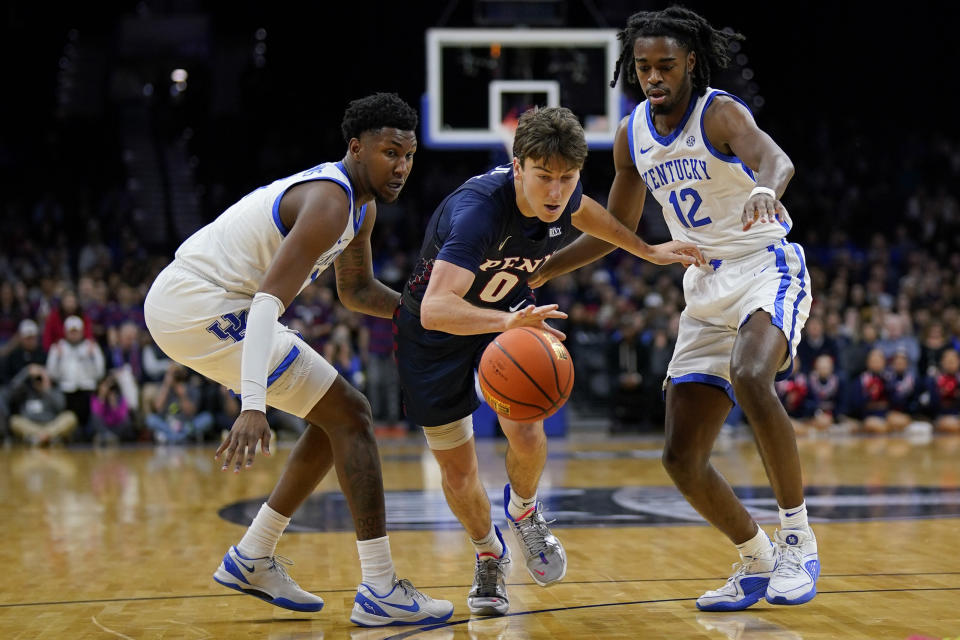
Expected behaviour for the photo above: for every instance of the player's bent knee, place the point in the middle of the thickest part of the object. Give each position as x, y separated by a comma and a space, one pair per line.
750, 375
682, 464
526, 437
449, 436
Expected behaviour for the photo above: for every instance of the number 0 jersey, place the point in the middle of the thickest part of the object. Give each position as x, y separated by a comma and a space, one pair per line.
479, 227
701, 189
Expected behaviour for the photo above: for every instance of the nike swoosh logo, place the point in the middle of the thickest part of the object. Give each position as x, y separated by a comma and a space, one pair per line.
790, 515
517, 306
240, 562
413, 607
500, 248
542, 573
643, 151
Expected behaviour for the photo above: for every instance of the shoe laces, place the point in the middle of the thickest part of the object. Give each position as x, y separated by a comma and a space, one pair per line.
533, 531
488, 575
739, 569
791, 560
277, 562
411, 590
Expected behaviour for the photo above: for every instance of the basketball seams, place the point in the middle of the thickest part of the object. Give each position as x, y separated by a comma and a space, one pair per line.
550, 355
524, 372
516, 347
512, 401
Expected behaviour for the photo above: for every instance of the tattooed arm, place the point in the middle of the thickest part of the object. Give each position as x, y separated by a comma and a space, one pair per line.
356, 286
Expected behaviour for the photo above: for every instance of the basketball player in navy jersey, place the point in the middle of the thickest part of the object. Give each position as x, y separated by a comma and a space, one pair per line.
719, 178
482, 243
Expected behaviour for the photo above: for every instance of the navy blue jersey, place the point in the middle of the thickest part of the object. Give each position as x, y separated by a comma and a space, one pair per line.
479, 227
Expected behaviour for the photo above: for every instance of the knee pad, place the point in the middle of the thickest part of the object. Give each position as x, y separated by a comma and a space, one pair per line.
450, 435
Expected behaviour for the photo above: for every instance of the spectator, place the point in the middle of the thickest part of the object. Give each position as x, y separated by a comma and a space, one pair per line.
37, 408
628, 360
383, 382
897, 339
110, 417
945, 393
931, 350
13, 309
815, 343
76, 364
27, 350
55, 328
904, 391
175, 414
340, 353
125, 358
825, 394
853, 359
869, 400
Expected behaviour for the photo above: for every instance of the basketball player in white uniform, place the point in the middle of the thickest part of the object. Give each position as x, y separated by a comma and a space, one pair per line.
215, 309
718, 178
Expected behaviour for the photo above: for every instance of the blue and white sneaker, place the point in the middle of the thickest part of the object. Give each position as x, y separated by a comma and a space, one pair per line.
795, 579
403, 604
544, 556
744, 588
265, 578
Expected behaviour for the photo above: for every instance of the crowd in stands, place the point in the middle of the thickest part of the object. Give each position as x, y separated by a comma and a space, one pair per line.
879, 352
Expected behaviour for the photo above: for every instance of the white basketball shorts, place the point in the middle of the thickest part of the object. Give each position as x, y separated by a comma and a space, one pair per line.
722, 296
201, 325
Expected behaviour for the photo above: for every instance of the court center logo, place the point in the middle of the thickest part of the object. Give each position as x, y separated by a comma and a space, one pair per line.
624, 506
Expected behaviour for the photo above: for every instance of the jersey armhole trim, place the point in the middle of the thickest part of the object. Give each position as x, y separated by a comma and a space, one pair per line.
630, 138
276, 203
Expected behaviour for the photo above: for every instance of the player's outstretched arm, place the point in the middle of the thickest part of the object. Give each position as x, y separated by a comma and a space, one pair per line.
593, 219
625, 202
731, 128
444, 309
357, 289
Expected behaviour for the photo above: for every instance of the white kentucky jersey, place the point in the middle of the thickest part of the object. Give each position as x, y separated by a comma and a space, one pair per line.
235, 250
701, 189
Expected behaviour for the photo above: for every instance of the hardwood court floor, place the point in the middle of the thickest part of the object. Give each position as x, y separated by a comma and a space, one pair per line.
121, 543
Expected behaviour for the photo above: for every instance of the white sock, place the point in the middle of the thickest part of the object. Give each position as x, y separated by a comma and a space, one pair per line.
260, 540
759, 546
489, 546
376, 564
520, 507
795, 518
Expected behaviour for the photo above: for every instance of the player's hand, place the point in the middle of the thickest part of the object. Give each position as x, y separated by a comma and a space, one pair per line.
533, 316
685, 253
240, 445
761, 208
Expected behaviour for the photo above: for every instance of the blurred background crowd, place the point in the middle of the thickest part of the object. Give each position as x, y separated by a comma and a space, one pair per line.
112, 160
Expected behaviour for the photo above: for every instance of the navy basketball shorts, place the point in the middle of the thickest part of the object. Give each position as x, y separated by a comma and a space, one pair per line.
437, 371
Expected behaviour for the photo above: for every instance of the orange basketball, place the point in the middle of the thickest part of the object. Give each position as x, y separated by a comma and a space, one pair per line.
526, 374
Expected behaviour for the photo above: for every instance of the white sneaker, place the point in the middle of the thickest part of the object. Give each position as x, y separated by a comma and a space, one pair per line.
747, 585
795, 579
403, 604
265, 578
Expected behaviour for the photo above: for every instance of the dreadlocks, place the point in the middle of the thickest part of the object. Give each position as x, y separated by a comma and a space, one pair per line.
689, 29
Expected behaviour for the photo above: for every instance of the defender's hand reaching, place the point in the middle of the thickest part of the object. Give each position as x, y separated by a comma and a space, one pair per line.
249, 428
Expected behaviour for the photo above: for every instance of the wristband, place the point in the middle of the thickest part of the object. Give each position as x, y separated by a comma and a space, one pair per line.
764, 190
